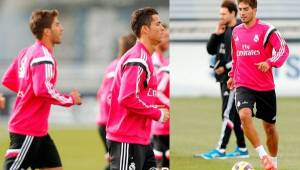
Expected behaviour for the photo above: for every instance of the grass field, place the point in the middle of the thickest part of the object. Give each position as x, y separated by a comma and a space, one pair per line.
79, 148
195, 127
196, 124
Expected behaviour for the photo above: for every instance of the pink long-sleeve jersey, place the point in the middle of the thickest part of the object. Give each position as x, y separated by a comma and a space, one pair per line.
254, 45
134, 98
32, 75
163, 93
104, 92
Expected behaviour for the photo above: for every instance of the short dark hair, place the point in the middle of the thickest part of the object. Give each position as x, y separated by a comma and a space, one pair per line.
230, 5
141, 17
128, 42
252, 3
165, 25
41, 19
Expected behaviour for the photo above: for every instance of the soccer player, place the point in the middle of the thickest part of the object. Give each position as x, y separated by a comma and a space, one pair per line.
134, 98
158, 58
219, 44
2, 101
161, 131
32, 75
257, 47
104, 92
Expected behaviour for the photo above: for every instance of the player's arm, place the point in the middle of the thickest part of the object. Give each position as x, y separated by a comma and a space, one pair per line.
163, 87
213, 44
10, 78
2, 101
42, 71
281, 50
133, 80
230, 82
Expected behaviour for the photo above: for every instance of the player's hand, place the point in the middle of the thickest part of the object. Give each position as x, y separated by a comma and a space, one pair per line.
263, 66
2, 101
230, 83
220, 70
76, 95
166, 115
220, 29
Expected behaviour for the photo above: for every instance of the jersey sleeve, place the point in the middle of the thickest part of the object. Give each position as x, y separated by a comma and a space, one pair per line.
213, 44
234, 58
10, 78
164, 87
281, 50
134, 79
42, 71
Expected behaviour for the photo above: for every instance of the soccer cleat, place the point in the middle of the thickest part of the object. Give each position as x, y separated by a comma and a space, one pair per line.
266, 161
214, 154
238, 153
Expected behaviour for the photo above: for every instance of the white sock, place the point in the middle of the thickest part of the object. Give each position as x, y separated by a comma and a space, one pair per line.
221, 150
261, 151
274, 160
243, 149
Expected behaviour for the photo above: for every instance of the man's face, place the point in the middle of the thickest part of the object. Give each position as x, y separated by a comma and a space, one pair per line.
164, 43
56, 31
225, 16
247, 13
155, 30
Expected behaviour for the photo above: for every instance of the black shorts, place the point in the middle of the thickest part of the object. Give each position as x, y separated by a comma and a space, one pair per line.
265, 102
125, 156
161, 145
29, 151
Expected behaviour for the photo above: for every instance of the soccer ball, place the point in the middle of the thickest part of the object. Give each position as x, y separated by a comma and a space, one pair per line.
242, 165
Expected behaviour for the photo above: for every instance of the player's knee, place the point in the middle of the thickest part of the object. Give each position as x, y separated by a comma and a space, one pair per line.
270, 130
245, 114
158, 154
168, 154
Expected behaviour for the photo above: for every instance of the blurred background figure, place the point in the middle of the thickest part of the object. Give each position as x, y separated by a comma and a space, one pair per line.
104, 93
219, 45
2, 101
161, 131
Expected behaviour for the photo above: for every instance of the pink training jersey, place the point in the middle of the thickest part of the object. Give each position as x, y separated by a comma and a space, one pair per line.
104, 93
163, 93
158, 60
32, 75
254, 45
134, 98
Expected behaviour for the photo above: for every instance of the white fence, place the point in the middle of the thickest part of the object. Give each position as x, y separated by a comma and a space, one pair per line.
191, 75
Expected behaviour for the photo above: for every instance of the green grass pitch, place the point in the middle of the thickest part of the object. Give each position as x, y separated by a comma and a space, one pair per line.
196, 124
195, 127
79, 148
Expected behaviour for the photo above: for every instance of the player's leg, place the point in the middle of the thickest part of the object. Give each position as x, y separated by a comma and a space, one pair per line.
227, 124
48, 156
163, 142
166, 149
241, 150
157, 150
266, 110
149, 160
115, 150
102, 134
20, 153
245, 99
271, 137
239, 133
272, 141
125, 156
